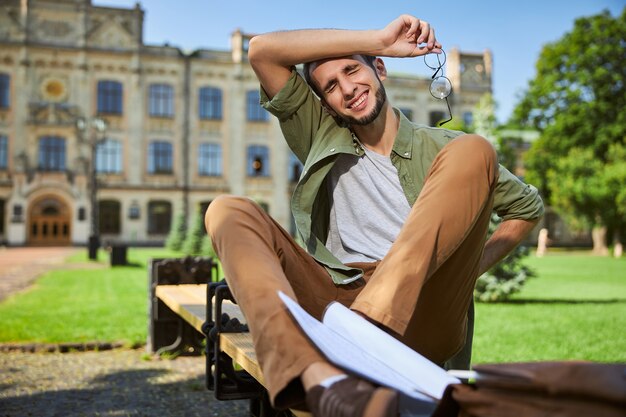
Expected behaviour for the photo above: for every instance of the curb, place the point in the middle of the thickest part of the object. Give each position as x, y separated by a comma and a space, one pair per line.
65, 347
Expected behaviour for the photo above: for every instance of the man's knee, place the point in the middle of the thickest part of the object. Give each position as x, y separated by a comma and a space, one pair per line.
475, 145
471, 155
222, 209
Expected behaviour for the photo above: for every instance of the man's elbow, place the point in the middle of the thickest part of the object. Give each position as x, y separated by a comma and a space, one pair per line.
255, 50
535, 221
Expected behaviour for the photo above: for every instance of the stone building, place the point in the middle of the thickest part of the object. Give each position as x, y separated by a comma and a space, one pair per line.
181, 128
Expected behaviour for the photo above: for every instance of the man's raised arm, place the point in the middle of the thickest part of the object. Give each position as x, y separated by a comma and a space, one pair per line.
272, 55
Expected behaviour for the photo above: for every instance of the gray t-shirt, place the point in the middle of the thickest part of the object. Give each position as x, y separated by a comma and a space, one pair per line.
368, 207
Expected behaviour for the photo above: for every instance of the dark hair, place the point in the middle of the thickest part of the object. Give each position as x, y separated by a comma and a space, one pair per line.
368, 59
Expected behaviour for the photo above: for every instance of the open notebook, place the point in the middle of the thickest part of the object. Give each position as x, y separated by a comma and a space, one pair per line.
352, 343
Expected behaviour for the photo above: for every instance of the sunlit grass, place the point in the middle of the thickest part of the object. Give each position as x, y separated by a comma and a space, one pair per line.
79, 305
574, 309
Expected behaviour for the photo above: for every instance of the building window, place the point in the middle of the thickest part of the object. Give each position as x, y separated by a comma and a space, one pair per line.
210, 159
258, 161
408, 113
134, 211
109, 157
210, 103
18, 211
435, 117
51, 153
110, 217
4, 152
295, 168
255, 112
160, 158
161, 100
204, 206
5, 90
110, 94
159, 217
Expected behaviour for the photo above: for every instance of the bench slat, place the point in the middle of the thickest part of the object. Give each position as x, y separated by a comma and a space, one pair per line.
185, 302
239, 347
189, 302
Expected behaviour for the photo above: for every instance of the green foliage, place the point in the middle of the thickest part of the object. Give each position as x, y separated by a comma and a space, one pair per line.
578, 103
455, 124
195, 236
508, 147
507, 277
207, 247
577, 188
615, 176
176, 237
484, 119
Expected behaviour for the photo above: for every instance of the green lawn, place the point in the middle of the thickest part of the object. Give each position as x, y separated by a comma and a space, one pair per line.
80, 305
575, 309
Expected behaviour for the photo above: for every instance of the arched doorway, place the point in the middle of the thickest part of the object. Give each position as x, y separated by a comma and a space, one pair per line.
49, 223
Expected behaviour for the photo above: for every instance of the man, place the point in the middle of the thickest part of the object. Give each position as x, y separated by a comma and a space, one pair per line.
393, 216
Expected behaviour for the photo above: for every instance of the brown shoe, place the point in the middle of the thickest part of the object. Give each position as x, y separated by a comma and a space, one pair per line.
352, 397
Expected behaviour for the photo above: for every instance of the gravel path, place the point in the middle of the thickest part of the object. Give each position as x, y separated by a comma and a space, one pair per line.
120, 382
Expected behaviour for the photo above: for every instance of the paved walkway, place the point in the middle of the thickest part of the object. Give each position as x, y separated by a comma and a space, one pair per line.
19, 267
119, 382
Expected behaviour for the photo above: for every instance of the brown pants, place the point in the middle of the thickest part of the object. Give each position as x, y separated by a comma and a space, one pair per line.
421, 290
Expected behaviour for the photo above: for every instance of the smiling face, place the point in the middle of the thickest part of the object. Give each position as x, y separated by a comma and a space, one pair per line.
351, 89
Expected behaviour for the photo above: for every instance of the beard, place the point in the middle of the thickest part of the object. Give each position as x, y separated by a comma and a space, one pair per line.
380, 99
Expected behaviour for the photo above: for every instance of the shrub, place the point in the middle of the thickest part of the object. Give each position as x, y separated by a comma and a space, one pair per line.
507, 277
176, 237
207, 247
195, 236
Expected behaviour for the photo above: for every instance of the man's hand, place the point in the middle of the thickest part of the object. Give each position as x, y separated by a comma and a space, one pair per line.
408, 36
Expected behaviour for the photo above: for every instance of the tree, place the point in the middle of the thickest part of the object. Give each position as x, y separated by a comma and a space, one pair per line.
176, 237
195, 235
577, 101
207, 247
484, 118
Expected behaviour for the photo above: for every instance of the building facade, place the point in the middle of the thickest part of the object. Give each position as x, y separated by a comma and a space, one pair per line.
181, 128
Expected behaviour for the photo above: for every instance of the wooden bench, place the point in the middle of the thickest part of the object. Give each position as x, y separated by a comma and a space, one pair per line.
188, 304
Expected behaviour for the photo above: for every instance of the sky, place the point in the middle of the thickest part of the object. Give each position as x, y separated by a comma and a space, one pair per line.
514, 30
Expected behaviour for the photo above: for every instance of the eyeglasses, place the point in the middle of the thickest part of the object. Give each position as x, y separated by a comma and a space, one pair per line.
440, 86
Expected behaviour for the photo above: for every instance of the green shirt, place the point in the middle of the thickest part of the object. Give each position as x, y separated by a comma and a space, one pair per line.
316, 139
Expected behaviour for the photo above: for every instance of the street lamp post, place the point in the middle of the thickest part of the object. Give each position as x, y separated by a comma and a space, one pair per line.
92, 130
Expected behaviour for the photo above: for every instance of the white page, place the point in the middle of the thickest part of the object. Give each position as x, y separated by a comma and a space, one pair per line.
346, 355
428, 377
